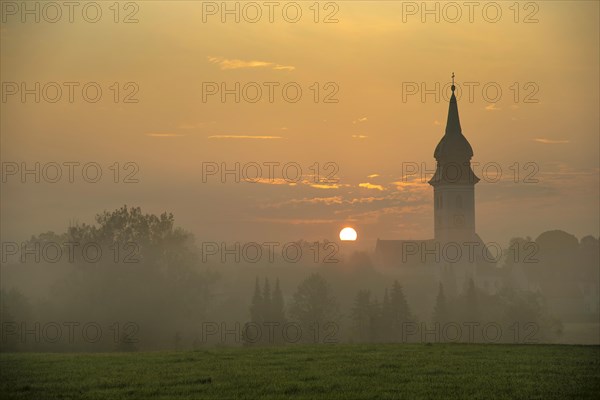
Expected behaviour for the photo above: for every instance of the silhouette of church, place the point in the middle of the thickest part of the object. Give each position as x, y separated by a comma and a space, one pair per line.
456, 254
454, 182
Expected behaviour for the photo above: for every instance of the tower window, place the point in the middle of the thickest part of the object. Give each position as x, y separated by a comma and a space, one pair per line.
459, 221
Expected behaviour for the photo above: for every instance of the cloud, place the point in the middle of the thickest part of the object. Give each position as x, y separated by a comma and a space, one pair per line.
551, 141
436, 122
412, 184
413, 190
315, 200
297, 221
359, 136
244, 137
289, 182
390, 213
324, 186
373, 176
226, 64
492, 107
164, 134
362, 119
272, 181
320, 200
349, 202
370, 186
364, 200
278, 67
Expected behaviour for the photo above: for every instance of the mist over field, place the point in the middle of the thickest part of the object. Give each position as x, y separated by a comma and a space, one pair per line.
136, 281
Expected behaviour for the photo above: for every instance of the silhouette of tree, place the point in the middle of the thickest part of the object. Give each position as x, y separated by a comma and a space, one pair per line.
399, 310
314, 307
471, 302
440, 310
277, 304
256, 308
363, 316
387, 316
378, 333
523, 313
148, 269
256, 317
276, 318
267, 314
557, 250
266, 298
15, 310
589, 258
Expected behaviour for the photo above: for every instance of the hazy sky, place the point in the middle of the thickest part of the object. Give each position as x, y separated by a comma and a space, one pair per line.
368, 61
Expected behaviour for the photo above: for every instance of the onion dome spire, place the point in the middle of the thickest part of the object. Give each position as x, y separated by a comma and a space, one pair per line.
453, 146
453, 149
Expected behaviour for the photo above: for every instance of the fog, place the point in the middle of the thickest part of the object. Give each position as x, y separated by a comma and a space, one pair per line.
134, 281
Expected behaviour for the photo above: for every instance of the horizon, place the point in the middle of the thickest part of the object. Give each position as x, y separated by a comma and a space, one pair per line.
543, 126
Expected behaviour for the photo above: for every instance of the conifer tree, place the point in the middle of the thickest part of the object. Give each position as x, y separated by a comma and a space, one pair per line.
375, 317
471, 299
277, 304
361, 316
400, 312
266, 309
278, 313
257, 304
256, 317
440, 310
386, 318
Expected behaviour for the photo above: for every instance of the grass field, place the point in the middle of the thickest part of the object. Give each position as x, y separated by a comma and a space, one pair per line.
449, 371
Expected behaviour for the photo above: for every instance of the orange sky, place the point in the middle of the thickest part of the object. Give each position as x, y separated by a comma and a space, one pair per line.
368, 58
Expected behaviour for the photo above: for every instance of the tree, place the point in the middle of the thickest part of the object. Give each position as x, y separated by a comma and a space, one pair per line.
399, 310
277, 304
557, 252
147, 272
387, 314
256, 306
362, 316
266, 305
267, 315
15, 313
440, 310
526, 318
277, 314
314, 307
471, 302
256, 316
589, 258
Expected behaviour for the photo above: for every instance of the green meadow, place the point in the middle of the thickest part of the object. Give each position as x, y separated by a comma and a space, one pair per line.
383, 371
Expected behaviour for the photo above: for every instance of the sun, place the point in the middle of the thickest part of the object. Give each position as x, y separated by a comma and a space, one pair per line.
348, 234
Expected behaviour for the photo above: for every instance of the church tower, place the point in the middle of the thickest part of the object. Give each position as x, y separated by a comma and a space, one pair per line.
454, 183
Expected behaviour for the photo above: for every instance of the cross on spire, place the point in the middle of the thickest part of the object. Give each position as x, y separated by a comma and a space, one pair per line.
453, 87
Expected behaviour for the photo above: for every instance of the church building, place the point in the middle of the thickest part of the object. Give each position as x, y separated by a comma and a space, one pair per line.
456, 254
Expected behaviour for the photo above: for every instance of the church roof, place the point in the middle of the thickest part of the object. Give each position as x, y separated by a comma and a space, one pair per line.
453, 152
453, 146
412, 253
